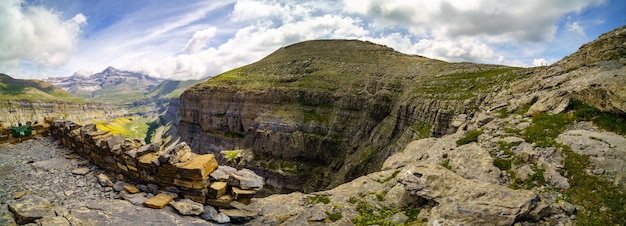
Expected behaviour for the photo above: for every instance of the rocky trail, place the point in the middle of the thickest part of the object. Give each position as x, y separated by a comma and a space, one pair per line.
53, 182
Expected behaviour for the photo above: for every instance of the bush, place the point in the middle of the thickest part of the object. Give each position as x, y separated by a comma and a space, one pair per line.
470, 136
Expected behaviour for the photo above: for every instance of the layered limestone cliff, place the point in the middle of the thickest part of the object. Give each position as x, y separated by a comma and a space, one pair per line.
14, 112
316, 114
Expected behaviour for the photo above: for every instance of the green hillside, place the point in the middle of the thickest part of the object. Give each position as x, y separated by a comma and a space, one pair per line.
20, 89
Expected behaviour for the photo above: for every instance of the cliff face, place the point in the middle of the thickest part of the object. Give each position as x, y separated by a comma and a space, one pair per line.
13, 112
319, 113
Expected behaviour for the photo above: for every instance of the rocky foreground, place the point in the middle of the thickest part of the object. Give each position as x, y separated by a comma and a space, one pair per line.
40, 179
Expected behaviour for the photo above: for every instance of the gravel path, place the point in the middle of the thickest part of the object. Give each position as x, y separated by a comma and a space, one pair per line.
68, 181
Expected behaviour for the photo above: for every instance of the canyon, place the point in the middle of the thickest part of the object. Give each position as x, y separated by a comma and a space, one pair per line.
352, 132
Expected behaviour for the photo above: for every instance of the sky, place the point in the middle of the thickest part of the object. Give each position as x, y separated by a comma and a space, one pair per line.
184, 39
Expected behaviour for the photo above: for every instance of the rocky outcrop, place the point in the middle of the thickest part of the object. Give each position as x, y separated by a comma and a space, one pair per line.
606, 151
319, 113
465, 202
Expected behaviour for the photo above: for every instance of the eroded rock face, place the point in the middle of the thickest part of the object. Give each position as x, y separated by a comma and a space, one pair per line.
328, 133
461, 201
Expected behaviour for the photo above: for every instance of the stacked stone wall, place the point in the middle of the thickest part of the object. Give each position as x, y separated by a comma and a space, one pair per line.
195, 176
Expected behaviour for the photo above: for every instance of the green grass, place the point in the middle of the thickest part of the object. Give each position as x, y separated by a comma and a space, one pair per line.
591, 193
369, 215
231, 155
423, 129
470, 136
446, 164
334, 216
603, 120
317, 199
393, 175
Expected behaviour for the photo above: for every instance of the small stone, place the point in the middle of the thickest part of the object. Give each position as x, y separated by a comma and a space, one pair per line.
81, 171
211, 214
399, 218
153, 188
21, 194
68, 193
104, 180
159, 201
119, 185
131, 189
238, 216
136, 199
172, 189
188, 207
217, 189
222, 173
142, 188
569, 208
318, 216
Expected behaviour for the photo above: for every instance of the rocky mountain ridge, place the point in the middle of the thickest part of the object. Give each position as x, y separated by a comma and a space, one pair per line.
91, 86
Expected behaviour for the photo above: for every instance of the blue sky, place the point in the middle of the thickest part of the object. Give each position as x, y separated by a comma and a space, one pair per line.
181, 39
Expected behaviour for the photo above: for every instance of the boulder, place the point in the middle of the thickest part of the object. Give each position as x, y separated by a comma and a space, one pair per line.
463, 201
246, 179
30, 208
188, 207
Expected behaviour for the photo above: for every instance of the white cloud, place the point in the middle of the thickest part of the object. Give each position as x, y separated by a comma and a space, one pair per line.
540, 62
250, 44
517, 21
575, 27
36, 34
200, 40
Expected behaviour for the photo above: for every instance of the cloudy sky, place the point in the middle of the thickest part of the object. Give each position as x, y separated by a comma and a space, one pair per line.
183, 39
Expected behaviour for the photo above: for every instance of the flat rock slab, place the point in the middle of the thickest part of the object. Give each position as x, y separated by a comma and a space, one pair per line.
118, 212
56, 221
159, 201
54, 163
246, 179
188, 207
30, 208
81, 171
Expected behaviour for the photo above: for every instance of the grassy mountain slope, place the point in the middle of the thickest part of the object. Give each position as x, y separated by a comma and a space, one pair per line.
19, 89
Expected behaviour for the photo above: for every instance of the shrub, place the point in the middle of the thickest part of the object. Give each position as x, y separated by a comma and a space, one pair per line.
470, 136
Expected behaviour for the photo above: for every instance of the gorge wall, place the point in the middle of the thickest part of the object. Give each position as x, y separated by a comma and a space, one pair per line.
316, 114
13, 112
